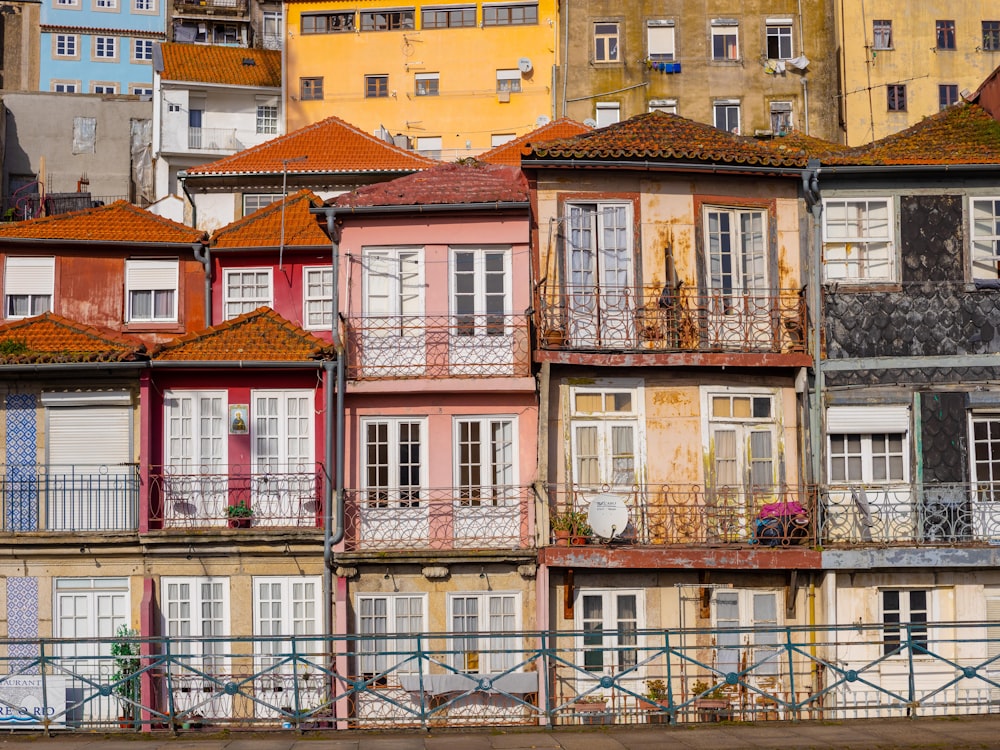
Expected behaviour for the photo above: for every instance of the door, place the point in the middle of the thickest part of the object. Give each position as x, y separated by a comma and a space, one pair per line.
739, 306
488, 505
283, 485
393, 336
482, 337
196, 480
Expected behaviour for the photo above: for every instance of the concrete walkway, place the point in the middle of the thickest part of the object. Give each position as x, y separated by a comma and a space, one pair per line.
981, 732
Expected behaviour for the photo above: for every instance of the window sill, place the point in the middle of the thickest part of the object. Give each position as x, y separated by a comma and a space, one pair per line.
851, 287
148, 327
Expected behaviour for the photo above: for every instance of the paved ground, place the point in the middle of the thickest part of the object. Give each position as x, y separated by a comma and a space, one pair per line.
952, 734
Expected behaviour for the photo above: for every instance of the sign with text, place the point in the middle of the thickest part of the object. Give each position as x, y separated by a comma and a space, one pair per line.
23, 701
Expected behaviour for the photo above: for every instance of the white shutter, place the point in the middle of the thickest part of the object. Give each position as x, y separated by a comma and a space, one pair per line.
867, 419
151, 274
660, 40
72, 431
29, 276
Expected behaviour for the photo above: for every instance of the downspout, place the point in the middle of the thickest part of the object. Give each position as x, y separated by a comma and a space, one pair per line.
565, 55
203, 255
182, 179
811, 192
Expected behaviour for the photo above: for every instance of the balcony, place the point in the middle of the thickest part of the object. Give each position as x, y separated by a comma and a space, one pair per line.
182, 498
212, 7
473, 346
651, 320
449, 518
77, 497
214, 139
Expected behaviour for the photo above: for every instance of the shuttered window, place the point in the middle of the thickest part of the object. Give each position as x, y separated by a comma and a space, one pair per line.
151, 290
28, 286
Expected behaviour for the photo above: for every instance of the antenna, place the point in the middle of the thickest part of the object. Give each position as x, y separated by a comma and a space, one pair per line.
284, 193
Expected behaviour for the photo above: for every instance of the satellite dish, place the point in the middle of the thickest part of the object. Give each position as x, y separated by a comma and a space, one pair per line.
524, 64
590, 122
608, 515
542, 120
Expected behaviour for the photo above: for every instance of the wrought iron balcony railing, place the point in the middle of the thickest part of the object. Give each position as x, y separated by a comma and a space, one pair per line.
438, 519
212, 7
645, 319
183, 497
77, 497
438, 346
672, 515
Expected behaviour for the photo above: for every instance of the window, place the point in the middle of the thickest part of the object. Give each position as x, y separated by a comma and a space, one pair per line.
991, 35
393, 284
106, 4
498, 139
105, 88
246, 290
105, 47
737, 609
318, 283
510, 14
985, 453
151, 290
66, 45
28, 286
868, 444
144, 6
196, 440
226, 33
509, 81
606, 42
311, 89
492, 614
267, 119
140, 89
663, 105
142, 50
725, 45
430, 146
480, 287
904, 618
858, 240
387, 20
195, 611
605, 436
87, 609
65, 87
781, 117
390, 617
256, 201
282, 432
743, 427
485, 460
609, 621
272, 29
393, 458
882, 34
327, 23
727, 115
779, 40
986, 238
660, 41
427, 84
896, 97
448, 18
947, 95
376, 87
737, 254
945, 32
607, 113
284, 606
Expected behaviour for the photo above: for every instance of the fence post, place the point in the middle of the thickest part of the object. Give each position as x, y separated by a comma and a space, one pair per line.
911, 709
45, 689
672, 714
791, 673
420, 675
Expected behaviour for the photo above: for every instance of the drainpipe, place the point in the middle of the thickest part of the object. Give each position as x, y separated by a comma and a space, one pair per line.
811, 192
203, 255
182, 180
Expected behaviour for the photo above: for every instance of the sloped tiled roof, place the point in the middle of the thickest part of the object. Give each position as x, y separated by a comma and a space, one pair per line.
209, 63
510, 152
117, 222
261, 335
459, 183
50, 338
262, 228
330, 145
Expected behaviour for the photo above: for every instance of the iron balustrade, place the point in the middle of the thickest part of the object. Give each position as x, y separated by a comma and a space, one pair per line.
508, 678
76, 497
657, 319
290, 495
213, 139
474, 517
437, 346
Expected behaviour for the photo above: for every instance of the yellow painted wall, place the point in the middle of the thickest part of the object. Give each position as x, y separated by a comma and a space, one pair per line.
913, 60
466, 114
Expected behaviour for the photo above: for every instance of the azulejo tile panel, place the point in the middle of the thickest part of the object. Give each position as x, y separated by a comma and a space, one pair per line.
21, 474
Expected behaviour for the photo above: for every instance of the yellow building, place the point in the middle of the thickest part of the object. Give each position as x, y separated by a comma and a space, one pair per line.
902, 61
449, 81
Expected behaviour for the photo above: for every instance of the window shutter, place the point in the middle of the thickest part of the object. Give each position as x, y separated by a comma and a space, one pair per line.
151, 274
29, 275
867, 419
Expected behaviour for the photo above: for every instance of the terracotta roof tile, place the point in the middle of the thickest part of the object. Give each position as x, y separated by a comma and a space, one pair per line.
332, 146
465, 182
510, 152
209, 63
260, 336
262, 228
117, 222
50, 338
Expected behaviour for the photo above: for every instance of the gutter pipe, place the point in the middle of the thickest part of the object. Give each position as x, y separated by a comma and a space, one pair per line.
203, 254
182, 180
811, 193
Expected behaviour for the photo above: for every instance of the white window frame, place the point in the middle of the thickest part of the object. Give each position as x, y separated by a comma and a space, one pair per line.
393, 282
484, 650
765, 649
84, 610
722, 115
65, 87
607, 113
427, 84
142, 50
185, 621
398, 615
607, 42
661, 41
140, 89
608, 647
738, 242
472, 298
282, 606
485, 464
105, 5
430, 146
282, 430
242, 302
267, 119
981, 471
611, 469
780, 30
722, 29
144, 6
850, 245
158, 279
253, 202
390, 493
31, 280
317, 297
67, 46
894, 619
103, 87
881, 33
508, 81
105, 48
984, 236
663, 105
747, 467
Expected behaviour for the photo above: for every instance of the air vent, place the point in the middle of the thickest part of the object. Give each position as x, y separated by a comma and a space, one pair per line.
249, 61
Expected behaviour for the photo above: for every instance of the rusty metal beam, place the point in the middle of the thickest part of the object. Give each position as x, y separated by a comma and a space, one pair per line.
674, 359
719, 558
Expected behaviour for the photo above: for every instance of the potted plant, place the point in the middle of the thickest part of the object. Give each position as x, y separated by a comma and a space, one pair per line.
240, 515
711, 705
125, 651
594, 708
655, 700
571, 527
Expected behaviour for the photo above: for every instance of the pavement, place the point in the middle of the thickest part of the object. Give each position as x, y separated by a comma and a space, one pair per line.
953, 733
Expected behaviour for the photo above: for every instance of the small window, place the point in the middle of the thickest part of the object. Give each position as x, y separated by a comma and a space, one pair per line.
498, 139
151, 291
509, 81
882, 34
781, 117
858, 240
65, 87
660, 41
142, 50
387, 20
140, 89
327, 23
663, 105
727, 116
606, 42
318, 287
904, 618
725, 44
144, 6
945, 31
310, 89
106, 4
991, 35
28, 286
267, 119
246, 290
779, 41
105, 47
376, 87
104, 88
430, 146
896, 97
947, 95
607, 113
66, 45
986, 238
256, 201
448, 18
427, 84
510, 15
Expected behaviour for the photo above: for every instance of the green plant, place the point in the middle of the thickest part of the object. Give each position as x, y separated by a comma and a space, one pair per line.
240, 510
700, 688
11, 347
125, 651
573, 521
656, 690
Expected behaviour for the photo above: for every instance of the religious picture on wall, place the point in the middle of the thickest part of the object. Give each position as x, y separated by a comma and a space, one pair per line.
238, 419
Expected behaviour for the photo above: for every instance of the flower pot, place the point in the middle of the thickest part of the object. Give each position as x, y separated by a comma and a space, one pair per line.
240, 523
594, 712
578, 541
561, 537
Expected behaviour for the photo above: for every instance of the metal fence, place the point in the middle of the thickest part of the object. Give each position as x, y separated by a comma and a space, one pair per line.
506, 678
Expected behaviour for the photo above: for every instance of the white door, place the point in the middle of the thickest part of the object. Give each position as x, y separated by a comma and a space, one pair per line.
481, 341
196, 481
393, 328
284, 481
487, 509
739, 314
